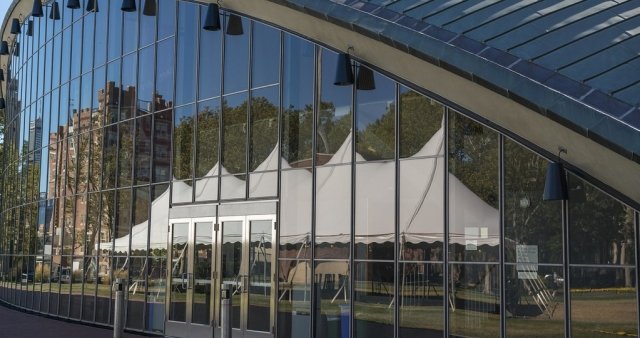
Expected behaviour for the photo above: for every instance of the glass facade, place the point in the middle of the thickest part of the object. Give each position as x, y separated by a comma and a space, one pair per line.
397, 215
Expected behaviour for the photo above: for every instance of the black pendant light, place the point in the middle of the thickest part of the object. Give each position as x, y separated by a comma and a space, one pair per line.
16, 49
4, 48
212, 21
234, 26
344, 71
365, 79
2, 103
555, 184
73, 4
128, 6
55, 11
36, 10
92, 6
150, 8
15, 26
30, 28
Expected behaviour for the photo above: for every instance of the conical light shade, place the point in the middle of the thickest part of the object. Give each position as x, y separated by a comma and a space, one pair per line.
55, 11
344, 71
555, 184
92, 6
234, 26
36, 10
16, 49
128, 6
73, 4
4, 48
1, 75
2, 103
150, 8
212, 21
365, 80
30, 28
15, 26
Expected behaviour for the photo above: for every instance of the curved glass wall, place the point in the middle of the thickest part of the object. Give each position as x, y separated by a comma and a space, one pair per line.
398, 215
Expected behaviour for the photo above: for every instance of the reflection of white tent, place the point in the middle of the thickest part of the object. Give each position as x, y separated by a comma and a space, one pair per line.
421, 207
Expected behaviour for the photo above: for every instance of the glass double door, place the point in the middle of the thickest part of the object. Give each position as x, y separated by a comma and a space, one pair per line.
204, 254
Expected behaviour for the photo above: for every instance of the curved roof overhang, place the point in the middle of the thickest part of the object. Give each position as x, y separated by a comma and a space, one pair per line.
527, 102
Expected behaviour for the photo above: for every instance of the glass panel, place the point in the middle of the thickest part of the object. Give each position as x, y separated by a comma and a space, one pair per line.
210, 64
373, 301
233, 186
112, 92
534, 300
147, 26
76, 53
181, 192
422, 209
130, 29
99, 99
145, 80
294, 296
87, 43
264, 184
115, 30
234, 141
100, 40
125, 153
110, 142
334, 115
333, 211
207, 189
474, 304
202, 263
163, 97
375, 211
183, 142
156, 286
123, 222
603, 301
264, 129
207, 138
166, 19
140, 229
298, 81
332, 303
142, 163
136, 294
231, 262
473, 191
163, 123
128, 95
420, 122
266, 55
179, 272
531, 224
421, 305
375, 119
236, 60
187, 52
601, 229
80, 227
260, 258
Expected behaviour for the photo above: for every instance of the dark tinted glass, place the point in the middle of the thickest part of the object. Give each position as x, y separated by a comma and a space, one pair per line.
162, 125
266, 55
234, 138
420, 121
142, 163
264, 128
183, 142
375, 119
115, 30
130, 30
164, 75
297, 105
125, 152
145, 80
210, 65
166, 18
100, 40
128, 90
186, 60
207, 138
88, 43
147, 26
236, 60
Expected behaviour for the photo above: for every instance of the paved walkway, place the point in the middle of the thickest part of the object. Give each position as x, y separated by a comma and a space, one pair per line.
18, 324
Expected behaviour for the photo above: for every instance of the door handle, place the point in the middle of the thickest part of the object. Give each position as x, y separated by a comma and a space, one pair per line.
185, 281
245, 284
189, 281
